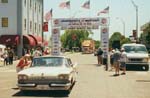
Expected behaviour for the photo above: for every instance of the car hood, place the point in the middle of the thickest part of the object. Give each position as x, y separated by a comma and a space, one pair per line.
47, 71
137, 55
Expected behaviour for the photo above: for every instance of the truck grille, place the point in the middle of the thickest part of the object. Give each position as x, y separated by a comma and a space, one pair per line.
135, 59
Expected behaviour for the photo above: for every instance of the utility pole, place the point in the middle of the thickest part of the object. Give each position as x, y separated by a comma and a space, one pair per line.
136, 8
123, 23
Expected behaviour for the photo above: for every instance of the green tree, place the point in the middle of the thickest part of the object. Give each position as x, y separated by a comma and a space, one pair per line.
145, 37
74, 38
97, 44
117, 36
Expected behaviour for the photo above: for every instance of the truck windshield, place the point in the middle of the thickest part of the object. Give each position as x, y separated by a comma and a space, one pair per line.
135, 49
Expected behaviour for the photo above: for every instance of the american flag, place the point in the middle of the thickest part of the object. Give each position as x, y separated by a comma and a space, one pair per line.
48, 15
86, 5
65, 5
105, 11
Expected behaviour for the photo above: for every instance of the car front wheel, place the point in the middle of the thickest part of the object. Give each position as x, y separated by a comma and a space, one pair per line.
146, 67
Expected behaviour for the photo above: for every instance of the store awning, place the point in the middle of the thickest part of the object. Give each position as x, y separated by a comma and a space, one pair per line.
28, 40
9, 39
38, 39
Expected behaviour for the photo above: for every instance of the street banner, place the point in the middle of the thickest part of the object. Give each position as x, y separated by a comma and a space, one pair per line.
45, 27
56, 44
80, 23
105, 40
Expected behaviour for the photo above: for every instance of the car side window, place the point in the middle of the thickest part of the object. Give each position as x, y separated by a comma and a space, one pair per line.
67, 63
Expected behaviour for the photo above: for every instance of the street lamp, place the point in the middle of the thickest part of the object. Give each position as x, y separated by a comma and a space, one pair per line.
136, 8
123, 23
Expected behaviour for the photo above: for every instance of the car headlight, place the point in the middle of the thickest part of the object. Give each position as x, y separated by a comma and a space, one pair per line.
22, 77
63, 76
145, 60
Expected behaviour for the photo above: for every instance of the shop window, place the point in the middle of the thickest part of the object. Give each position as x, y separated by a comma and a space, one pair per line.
30, 3
25, 3
4, 22
25, 23
4, 1
39, 9
30, 25
35, 27
35, 7
39, 28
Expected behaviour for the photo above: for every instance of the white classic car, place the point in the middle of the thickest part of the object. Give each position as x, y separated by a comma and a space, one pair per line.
48, 73
136, 55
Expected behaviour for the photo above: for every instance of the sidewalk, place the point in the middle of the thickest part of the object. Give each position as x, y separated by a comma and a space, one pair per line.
14, 63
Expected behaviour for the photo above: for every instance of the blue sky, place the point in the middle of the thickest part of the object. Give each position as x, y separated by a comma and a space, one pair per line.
123, 9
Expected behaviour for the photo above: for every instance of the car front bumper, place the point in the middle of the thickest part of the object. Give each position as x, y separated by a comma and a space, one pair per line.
52, 86
137, 63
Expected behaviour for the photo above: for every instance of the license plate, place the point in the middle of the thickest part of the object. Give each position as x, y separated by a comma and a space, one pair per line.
43, 87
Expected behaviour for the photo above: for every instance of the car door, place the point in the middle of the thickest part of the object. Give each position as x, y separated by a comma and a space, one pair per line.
70, 65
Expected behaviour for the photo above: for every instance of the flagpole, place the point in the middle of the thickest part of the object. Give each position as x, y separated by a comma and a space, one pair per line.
90, 9
70, 8
51, 27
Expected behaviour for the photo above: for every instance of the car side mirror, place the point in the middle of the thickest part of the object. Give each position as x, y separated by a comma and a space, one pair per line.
75, 65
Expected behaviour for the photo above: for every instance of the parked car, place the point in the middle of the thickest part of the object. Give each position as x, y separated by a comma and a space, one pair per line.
137, 55
48, 73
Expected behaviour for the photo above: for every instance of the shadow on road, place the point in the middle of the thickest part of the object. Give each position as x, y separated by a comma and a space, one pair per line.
135, 68
41, 94
143, 81
58, 93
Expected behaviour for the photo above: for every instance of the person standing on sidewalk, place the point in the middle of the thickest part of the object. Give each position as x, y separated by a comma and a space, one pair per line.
123, 60
112, 59
117, 55
5, 56
99, 56
10, 55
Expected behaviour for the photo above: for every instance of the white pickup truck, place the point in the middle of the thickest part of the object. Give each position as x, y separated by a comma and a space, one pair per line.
137, 55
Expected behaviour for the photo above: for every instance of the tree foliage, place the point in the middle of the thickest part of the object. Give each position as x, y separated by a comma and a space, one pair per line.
145, 36
74, 38
117, 36
97, 44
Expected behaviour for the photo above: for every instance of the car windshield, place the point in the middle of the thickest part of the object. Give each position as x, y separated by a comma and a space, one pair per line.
47, 61
135, 49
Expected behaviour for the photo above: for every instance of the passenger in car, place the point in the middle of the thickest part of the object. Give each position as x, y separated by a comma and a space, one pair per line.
24, 61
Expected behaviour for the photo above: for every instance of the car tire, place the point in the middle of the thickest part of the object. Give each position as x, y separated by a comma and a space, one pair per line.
146, 68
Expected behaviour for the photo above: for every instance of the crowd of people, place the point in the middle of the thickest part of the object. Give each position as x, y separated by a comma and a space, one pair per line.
7, 56
25, 61
117, 60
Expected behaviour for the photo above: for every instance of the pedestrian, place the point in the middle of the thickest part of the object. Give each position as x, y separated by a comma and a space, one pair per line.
37, 52
5, 56
10, 56
23, 62
112, 59
99, 56
117, 55
123, 61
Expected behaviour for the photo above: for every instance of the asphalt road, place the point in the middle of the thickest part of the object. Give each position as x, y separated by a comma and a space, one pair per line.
92, 82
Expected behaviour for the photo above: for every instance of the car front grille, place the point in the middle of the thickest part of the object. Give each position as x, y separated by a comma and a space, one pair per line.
42, 81
135, 60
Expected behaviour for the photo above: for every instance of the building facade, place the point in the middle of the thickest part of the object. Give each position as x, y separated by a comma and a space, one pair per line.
21, 24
